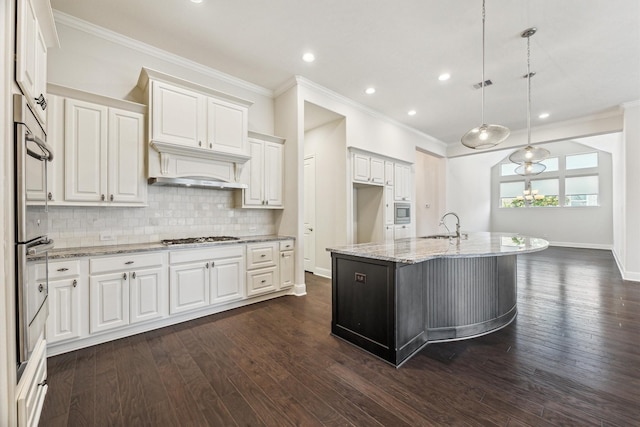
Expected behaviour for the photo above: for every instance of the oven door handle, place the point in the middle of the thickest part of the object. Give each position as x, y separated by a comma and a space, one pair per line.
48, 151
41, 247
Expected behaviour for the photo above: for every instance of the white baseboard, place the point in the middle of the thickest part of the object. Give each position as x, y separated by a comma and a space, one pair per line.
631, 276
323, 272
300, 289
582, 245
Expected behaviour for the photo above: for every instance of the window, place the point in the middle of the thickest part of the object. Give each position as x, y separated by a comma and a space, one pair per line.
582, 161
511, 195
581, 191
570, 180
545, 192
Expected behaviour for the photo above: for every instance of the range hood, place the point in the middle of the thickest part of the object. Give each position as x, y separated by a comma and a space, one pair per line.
195, 183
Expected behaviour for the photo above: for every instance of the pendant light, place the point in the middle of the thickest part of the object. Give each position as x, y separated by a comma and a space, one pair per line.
529, 157
484, 136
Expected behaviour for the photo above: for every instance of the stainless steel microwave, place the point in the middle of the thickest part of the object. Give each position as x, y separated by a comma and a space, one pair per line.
402, 213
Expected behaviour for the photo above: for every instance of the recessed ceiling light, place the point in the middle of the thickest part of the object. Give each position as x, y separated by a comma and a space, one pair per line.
196, 1
412, 112
370, 90
543, 116
444, 77
308, 57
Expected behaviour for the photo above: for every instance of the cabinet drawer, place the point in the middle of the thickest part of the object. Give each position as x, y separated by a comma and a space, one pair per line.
286, 245
206, 254
262, 255
127, 262
32, 387
262, 281
58, 270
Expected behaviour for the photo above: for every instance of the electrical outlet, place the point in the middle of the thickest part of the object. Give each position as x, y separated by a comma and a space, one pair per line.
106, 235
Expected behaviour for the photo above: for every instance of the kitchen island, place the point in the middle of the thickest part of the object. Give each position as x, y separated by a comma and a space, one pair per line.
392, 299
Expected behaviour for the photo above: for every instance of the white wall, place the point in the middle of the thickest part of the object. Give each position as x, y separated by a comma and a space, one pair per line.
629, 251
99, 61
327, 143
590, 227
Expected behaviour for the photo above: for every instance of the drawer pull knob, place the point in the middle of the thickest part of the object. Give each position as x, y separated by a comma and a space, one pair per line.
283, 255
74, 283
63, 269
49, 196
128, 262
40, 287
43, 383
263, 255
206, 265
133, 275
124, 276
213, 264
263, 281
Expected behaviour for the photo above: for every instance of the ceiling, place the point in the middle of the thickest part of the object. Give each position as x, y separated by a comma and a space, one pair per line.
586, 53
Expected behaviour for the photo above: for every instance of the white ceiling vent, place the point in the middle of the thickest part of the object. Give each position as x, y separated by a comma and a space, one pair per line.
479, 84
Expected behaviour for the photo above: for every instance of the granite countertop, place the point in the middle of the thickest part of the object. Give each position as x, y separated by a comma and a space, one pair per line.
148, 247
415, 250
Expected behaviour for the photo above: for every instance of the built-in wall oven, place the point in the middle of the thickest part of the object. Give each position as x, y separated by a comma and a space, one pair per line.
32, 154
402, 213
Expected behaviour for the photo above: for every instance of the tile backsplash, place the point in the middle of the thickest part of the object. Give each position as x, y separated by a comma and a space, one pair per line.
172, 212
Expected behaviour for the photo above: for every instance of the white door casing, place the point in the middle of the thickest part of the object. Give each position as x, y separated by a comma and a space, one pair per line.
309, 213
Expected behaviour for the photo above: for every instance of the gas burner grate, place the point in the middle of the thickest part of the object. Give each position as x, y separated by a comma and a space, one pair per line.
191, 240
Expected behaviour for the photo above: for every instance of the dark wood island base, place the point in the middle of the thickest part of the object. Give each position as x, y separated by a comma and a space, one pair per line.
393, 309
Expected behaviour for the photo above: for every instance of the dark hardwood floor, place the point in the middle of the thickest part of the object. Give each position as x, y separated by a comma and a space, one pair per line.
572, 357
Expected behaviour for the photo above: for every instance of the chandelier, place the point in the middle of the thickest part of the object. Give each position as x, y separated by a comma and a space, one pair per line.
529, 157
484, 136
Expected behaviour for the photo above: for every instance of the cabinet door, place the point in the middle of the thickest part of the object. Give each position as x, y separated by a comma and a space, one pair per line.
402, 231
388, 173
26, 46
189, 287
402, 187
286, 269
40, 93
376, 167
262, 281
389, 233
108, 301
64, 310
389, 208
226, 127
85, 146
177, 115
254, 194
361, 168
126, 157
32, 388
273, 174
148, 288
227, 279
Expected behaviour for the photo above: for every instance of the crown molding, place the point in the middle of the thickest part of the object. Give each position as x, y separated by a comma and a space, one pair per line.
630, 104
103, 33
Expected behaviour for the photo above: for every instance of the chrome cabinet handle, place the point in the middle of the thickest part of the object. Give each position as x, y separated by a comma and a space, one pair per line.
210, 145
102, 197
282, 254
213, 264
40, 287
128, 262
43, 383
74, 283
199, 143
263, 281
124, 276
133, 275
206, 265
63, 269
41, 101
111, 197
263, 255
50, 196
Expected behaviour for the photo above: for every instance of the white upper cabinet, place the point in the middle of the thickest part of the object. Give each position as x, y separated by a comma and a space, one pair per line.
368, 169
402, 182
264, 173
177, 115
388, 173
104, 158
35, 33
226, 127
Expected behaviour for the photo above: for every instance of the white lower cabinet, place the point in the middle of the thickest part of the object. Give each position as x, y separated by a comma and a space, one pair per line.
65, 290
287, 266
126, 289
402, 231
201, 277
262, 268
32, 387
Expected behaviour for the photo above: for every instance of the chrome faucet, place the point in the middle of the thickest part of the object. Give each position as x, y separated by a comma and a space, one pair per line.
457, 223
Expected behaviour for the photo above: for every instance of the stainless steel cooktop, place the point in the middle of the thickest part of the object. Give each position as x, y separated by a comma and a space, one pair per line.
191, 240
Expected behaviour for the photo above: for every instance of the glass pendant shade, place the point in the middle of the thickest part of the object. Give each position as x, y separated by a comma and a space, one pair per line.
529, 154
484, 136
529, 168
